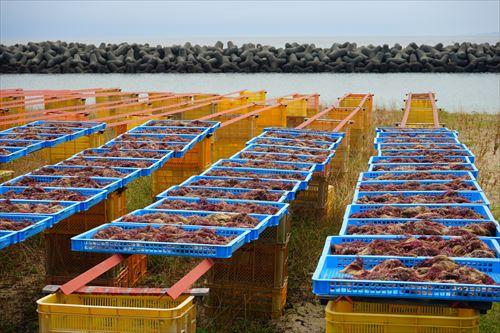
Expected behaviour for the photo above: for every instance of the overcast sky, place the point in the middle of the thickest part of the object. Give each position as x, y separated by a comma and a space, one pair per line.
113, 21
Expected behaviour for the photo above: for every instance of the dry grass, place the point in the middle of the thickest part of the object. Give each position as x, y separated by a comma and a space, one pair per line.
22, 266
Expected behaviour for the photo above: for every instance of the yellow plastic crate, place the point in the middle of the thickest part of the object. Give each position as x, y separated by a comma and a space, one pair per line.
254, 96
312, 103
294, 107
197, 157
67, 149
165, 178
102, 112
366, 317
166, 102
125, 108
112, 95
421, 115
20, 111
363, 117
52, 102
273, 117
177, 170
137, 120
203, 96
292, 122
232, 138
420, 102
341, 158
228, 103
116, 313
352, 100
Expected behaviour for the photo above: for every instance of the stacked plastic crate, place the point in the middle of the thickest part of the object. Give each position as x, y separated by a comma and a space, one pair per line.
244, 198
419, 228
190, 160
91, 185
149, 150
300, 146
19, 141
27, 209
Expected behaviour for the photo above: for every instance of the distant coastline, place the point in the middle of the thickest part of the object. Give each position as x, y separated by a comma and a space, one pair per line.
64, 57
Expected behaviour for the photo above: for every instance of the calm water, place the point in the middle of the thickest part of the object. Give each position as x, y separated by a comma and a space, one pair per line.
319, 41
455, 92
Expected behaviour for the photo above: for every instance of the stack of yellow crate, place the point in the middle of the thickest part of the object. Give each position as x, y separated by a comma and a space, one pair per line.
116, 313
373, 317
62, 264
253, 282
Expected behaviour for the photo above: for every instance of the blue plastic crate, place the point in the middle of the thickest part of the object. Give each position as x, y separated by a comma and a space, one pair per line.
423, 182
15, 153
168, 193
428, 167
476, 197
154, 137
94, 196
425, 146
90, 127
68, 208
329, 282
7, 238
374, 174
337, 240
183, 147
290, 150
85, 242
383, 135
48, 143
165, 154
392, 129
40, 223
153, 163
282, 156
264, 220
75, 132
328, 135
387, 159
259, 140
332, 135
446, 222
402, 140
142, 130
290, 166
273, 174
201, 132
407, 145
480, 209
112, 183
210, 125
275, 218
290, 193
415, 152
130, 174
30, 145
434, 141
